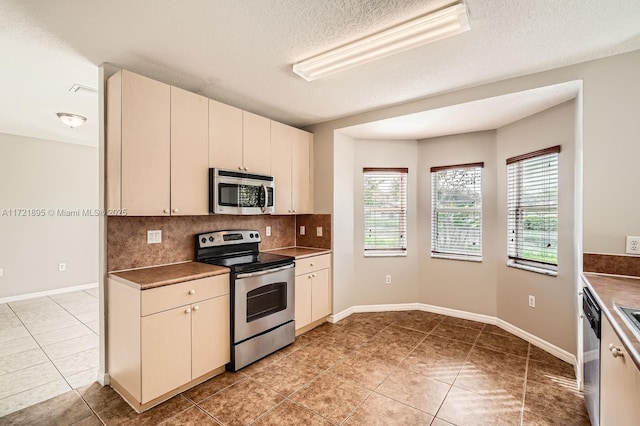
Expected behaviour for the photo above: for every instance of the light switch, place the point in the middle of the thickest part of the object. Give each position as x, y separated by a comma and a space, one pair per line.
268, 231
302, 230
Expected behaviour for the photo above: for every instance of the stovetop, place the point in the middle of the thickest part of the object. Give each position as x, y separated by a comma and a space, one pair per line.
238, 250
251, 262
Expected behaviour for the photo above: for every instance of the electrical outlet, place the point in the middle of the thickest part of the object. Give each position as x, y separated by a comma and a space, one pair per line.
387, 279
302, 230
532, 301
154, 237
62, 267
268, 231
633, 245
319, 231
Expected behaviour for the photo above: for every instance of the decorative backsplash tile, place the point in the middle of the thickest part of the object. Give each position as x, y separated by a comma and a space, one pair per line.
611, 264
311, 222
127, 236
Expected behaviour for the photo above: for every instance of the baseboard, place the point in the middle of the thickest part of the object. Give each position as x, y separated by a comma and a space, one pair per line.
487, 319
48, 293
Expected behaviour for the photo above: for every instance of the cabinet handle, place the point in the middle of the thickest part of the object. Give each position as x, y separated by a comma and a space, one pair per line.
192, 292
293, 211
615, 351
187, 311
166, 210
309, 276
245, 169
175, 210
196, 308
240, 168
312, 264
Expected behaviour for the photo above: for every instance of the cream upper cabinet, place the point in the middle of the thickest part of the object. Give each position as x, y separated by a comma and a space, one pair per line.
138, 145
238, 140
291, 167
225, 136
156, 148
256, 143
189, 153
619, 381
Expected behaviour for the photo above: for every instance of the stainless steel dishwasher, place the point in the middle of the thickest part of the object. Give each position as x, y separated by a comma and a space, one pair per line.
591, 355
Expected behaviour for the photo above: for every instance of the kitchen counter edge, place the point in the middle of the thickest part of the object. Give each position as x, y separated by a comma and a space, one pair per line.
159, 276
610, 291
300, 252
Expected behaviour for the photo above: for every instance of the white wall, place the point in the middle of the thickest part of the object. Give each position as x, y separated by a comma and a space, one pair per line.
41, 174
462, 285
554, 317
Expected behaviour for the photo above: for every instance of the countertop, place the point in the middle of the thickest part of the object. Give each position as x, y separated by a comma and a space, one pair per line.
611, 291
158, 276
300, 252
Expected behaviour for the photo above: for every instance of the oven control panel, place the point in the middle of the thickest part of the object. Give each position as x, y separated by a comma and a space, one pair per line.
222, 238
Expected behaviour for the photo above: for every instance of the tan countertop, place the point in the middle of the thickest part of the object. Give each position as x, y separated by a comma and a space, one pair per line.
611, 291
300, 252
158, 276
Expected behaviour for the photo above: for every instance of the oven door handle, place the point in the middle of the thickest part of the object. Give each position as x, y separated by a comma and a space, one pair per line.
268, 271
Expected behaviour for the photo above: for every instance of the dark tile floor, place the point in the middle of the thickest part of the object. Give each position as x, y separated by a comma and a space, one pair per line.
388, 368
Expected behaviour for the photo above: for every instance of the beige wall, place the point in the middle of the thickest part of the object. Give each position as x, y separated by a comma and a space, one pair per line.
369, 286
41, 174
462, 285
555, 316
611, 101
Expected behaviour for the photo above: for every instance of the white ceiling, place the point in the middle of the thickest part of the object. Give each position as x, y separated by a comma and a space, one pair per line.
241, 52
476, 116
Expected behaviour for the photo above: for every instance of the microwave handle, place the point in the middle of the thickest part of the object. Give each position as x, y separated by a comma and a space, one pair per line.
266, 195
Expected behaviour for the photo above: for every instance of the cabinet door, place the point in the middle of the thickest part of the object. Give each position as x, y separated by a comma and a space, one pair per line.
189, 153
145, 146
302, 197
281, 146
225, 136
165, 352
210, 335
303, 300
619, 382
256, 145
320, 301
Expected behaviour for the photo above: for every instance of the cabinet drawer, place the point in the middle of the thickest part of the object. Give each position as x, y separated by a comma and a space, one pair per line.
310, 264
174, 295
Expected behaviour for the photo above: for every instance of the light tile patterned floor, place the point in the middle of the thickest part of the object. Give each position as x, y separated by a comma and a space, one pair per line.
385, 368
48, 346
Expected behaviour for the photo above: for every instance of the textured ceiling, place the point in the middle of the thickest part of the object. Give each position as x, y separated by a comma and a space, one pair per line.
240, 52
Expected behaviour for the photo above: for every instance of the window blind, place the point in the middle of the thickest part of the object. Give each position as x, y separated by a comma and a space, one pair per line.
385, 211
456, 208
532, 208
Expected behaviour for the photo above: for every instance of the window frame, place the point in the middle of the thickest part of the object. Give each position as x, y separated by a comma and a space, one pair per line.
516, 220
439, 252
401, 249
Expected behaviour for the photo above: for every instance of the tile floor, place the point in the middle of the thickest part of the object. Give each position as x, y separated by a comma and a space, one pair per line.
392, 368
48, 346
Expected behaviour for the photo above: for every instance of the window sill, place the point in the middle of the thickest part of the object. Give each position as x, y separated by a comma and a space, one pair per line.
530, 268
387, 254
456, 257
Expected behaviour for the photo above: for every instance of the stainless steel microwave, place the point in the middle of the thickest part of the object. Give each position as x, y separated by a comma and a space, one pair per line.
232, 192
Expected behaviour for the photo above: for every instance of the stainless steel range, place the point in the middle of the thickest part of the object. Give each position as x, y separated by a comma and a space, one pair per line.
262, 293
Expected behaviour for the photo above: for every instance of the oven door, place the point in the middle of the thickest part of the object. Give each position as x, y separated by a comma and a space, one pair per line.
262, 300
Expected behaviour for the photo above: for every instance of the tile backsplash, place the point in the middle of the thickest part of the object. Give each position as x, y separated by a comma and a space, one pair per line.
611, 264
127, 236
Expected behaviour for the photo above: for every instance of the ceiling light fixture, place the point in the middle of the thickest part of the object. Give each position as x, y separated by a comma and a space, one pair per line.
434, 26
71, 120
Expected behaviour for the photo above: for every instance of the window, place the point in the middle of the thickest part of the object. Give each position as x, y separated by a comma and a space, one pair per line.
456, 211
532, 209
385, 212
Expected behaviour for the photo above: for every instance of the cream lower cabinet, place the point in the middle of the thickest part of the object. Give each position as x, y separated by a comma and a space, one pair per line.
313, 289
166, 339
619, 381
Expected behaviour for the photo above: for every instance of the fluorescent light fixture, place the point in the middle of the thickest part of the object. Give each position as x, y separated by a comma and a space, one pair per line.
434, 26
71, 120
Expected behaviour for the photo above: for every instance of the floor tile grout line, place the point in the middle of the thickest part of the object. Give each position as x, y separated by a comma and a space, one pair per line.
88, 405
